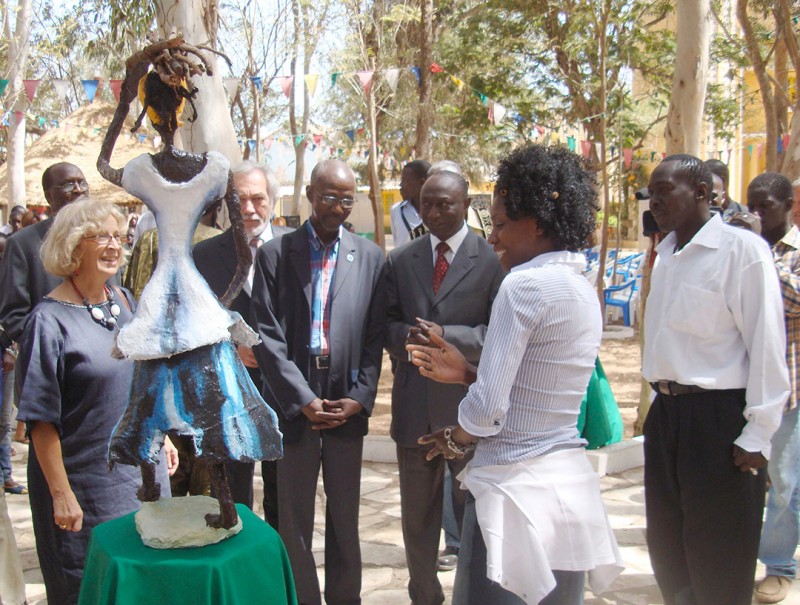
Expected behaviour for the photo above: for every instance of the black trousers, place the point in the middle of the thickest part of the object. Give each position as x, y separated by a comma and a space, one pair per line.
703, 514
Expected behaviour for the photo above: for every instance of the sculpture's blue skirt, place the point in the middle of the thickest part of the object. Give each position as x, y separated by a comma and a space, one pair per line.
205, 394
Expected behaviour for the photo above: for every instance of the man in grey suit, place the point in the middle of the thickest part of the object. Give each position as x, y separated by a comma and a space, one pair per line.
23, 280
216, 260
443, 282
318, 304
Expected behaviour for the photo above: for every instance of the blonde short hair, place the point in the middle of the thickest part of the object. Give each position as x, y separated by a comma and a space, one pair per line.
60, 249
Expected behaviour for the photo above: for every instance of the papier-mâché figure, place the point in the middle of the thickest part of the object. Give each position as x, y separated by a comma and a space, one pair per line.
188, 378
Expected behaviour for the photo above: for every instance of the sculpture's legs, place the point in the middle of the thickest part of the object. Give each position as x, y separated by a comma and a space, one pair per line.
151, 489
227, 516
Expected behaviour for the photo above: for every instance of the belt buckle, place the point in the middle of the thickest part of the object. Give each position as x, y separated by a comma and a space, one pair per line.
322, 362
663, 387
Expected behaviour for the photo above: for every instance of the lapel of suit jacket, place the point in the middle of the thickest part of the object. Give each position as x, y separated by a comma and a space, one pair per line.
423, 264
463, 262
301, 260
346, 259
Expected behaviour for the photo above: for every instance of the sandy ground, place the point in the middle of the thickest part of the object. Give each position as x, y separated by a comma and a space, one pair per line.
621, 359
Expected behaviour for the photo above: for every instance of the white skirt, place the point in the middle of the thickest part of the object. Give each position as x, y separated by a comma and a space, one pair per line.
543, 514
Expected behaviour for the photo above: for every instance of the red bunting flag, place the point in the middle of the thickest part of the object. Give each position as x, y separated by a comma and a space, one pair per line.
365, 77
435, 69
586, 149
286, 84
317, 139
30, 88
627, 154
116, 87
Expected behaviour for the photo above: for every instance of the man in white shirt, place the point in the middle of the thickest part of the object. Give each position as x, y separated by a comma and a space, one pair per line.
715, 356
405, 217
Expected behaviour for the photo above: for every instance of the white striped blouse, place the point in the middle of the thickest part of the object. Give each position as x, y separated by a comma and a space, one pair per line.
540, 349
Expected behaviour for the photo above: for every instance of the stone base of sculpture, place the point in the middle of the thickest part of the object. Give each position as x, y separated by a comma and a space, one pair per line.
181, 523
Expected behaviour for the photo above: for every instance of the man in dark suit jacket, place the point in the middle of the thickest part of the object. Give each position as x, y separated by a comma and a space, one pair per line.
23, 280
457, 304
216, 260
319, 307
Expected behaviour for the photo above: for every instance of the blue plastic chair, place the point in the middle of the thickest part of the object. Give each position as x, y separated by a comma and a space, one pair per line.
620, 296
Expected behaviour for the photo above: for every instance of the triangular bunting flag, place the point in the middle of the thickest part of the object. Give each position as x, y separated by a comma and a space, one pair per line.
116, 87
142, 138
365, 77
3, 84
231, 87
258, 84
311, 83
416, 72
298, 138
157, 141
586, 149
597, 149
361, 131
499, 113
491, 112
268, 143
392, 75
90, 88
62, 87
484, 99
457, 81
351, 134
627, 154
317, 139
435, 69
19, 117
571, 144
251, 144
30, 88
286, 84
786, 139
334, 75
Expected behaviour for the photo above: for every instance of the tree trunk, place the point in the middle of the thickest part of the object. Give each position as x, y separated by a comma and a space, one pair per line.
375, 196
18, 45
425, 109
685, 115
760, 71
196, 21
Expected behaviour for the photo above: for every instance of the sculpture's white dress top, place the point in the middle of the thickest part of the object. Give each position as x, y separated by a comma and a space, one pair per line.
177, 311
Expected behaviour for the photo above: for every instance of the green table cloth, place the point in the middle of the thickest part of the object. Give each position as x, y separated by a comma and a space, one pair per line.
250, 568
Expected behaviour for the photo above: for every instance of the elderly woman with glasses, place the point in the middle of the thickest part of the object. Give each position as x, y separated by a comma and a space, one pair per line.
73, 393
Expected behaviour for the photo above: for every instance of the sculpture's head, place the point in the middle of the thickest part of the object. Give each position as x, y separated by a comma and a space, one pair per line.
165, 98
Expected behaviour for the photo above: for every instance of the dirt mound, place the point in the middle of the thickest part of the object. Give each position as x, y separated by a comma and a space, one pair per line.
77, 140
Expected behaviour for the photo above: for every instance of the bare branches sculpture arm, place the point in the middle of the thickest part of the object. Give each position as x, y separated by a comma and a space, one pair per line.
243, 254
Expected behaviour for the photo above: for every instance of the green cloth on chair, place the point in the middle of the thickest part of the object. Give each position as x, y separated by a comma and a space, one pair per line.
599, 422
249, 568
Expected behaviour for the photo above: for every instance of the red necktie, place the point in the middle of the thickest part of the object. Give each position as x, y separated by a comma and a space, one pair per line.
441, 266
255, 243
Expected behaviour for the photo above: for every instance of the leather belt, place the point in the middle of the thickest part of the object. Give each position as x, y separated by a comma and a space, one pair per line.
670, 387
321, 362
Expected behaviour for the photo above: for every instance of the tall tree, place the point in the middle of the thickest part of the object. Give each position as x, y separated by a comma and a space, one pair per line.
309, 21
18, 46
425, 107
687, 101
198, 22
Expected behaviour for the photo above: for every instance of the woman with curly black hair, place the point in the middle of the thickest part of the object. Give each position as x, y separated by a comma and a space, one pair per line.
534, 522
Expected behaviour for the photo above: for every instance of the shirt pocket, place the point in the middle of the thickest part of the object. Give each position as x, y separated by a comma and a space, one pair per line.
695, 311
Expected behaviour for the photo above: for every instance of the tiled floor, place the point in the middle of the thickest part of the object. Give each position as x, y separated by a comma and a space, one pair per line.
385, 574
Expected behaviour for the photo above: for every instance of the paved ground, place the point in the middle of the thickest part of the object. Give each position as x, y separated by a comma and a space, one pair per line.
385, 574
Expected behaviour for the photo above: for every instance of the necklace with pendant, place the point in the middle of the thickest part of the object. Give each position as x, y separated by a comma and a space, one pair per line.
98, 311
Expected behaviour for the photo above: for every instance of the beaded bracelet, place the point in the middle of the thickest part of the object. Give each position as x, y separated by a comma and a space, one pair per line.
455, 447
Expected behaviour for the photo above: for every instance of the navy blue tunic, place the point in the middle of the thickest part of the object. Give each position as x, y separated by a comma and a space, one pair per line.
71, 381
